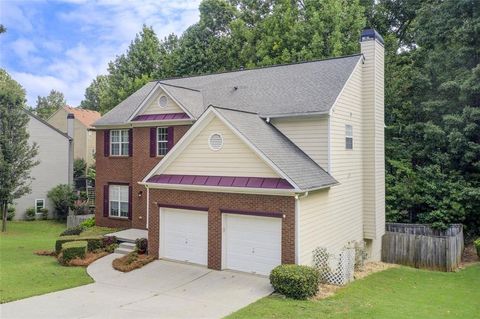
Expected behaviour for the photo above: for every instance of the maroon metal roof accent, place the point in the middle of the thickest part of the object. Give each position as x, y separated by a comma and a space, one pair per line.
222, 181
161, 117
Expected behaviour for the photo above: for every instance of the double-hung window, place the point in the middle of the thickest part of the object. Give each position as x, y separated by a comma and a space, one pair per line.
348, 137
118, 197
119, 145
39, 204
162, 141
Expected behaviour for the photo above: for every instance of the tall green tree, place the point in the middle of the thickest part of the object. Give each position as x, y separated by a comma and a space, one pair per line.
95, 95
47, 105
17, 155
130, 71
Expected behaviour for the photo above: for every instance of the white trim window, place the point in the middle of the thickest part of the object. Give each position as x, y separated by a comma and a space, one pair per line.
118, 199
162, 141
119, 143
39, 204
348, 137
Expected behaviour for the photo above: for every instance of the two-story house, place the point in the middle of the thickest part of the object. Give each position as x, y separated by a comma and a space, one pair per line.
83, 133
249, 169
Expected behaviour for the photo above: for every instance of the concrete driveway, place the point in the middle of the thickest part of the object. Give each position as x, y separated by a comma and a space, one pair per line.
161, 289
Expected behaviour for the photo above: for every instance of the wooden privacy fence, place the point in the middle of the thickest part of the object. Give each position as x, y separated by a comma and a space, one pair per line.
420, 246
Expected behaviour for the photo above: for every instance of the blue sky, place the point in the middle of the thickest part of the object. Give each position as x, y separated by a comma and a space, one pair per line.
63, 45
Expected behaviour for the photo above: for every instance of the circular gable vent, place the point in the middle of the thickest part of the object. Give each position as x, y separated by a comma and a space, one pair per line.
215, 141
162, 101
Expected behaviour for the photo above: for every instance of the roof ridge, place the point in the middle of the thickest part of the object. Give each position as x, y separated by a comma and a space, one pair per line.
178, 86
258, 68
230, 109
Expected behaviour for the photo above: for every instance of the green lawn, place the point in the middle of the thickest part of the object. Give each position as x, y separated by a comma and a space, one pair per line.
24, 274
395, 293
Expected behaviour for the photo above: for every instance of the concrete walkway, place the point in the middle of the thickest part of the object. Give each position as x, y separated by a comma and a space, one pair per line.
161, 289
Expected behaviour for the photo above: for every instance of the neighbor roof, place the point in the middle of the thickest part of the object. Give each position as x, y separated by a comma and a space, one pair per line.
86, 117
289, 158
300, 88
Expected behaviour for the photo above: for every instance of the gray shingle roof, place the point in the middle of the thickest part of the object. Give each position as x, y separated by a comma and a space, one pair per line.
309, 87
121, 113
290, 159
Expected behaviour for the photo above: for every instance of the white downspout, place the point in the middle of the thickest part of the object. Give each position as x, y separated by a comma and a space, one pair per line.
148, 204
297, 225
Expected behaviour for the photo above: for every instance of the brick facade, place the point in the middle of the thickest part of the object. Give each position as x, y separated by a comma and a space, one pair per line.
215, 202
128, 169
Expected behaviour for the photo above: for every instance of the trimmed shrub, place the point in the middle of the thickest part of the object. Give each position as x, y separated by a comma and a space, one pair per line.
111, 248
109, 240
95, 244
72, 231
72, 250
88, 223
477, 246
30, 213
295, 281
10, 212
141, 245
92, 242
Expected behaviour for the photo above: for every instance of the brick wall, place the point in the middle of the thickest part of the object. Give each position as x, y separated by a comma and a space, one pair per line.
127, 170
216, 201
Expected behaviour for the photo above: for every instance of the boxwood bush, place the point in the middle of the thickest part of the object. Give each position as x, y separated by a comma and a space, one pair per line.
295, 281
93, 243
73, 249
77, 230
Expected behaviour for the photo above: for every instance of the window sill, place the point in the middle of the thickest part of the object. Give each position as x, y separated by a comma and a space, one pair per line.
118, 218
119, 156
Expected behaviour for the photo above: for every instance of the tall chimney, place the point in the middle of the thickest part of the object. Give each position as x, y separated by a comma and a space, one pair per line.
372, 48
70, 130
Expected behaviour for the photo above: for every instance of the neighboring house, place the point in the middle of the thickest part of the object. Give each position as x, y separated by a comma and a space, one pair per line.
53, 168
84, 135
279, 160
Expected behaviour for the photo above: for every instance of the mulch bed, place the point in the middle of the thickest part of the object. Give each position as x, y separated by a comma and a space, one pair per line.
89, 258
44, 253
131, 261
469, 256
327, 290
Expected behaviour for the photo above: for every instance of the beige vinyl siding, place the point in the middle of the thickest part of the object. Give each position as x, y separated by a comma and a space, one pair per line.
152, 106
332, 218
82, 148
234, 159
310, 135
52, 169
373, 163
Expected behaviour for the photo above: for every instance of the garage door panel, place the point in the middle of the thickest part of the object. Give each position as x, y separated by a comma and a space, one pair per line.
252, 244
184, 235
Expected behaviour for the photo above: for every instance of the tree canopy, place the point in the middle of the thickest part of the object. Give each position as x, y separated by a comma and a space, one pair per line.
47, 105
17, 155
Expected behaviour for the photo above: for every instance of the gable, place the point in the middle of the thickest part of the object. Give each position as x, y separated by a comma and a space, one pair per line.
152, 106
235, 158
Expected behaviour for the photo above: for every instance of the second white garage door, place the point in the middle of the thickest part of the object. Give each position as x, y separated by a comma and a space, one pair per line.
184, 235
252, 244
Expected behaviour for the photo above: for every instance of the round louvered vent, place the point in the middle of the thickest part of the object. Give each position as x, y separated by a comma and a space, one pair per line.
162, 101
215, 141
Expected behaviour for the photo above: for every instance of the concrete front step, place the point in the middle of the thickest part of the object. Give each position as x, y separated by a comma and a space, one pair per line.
125, 248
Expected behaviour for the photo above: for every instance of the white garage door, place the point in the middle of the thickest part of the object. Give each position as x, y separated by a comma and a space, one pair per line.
252, 244
184, 235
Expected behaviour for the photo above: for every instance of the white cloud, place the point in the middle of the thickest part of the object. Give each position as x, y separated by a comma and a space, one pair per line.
108, 27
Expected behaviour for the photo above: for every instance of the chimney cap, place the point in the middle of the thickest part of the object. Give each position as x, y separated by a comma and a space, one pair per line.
70, 116
371, 34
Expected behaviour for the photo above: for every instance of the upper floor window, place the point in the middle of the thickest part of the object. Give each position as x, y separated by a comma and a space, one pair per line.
119, 145
118, 200
348, 137
162, 141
